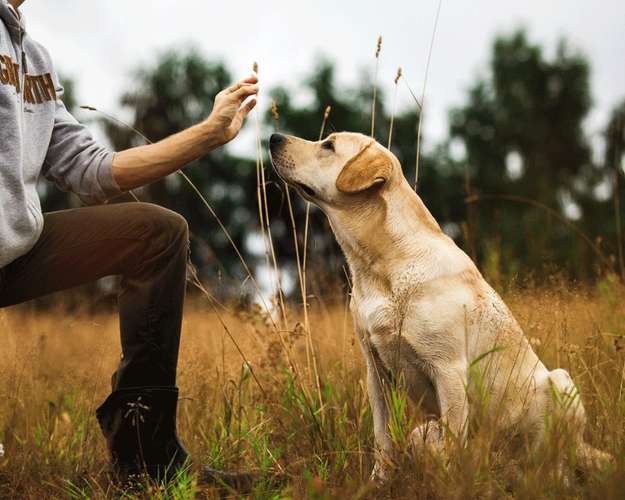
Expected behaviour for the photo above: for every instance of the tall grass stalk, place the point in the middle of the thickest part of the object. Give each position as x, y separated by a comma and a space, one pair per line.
263, 208
394, 109
378, 49
422, 105
310, 348
469, 226
311, 364
326, 115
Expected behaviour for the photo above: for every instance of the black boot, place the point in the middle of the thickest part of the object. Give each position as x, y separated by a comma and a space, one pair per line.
139, 425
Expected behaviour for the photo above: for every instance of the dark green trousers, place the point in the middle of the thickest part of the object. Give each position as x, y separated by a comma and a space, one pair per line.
147, 246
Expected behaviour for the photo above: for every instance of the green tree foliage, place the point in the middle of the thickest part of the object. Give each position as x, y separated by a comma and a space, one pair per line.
529, 110
521, 127
532, 106
613, 172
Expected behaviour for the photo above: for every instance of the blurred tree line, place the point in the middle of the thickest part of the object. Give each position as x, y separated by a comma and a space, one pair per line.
516, 170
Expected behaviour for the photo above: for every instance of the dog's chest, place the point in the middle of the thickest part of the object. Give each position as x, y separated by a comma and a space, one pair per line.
379, 318
375, 315
380, 322
379, 311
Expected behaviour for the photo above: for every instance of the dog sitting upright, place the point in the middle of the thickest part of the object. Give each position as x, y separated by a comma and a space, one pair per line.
420, 306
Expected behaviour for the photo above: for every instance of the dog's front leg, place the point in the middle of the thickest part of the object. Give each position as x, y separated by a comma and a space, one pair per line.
450, 382
377, 383
451, 390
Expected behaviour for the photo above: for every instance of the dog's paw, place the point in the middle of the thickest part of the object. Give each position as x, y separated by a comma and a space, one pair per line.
429, 435
380, 473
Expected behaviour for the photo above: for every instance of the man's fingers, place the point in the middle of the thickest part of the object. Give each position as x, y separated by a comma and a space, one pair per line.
250, 80
245, 91
247, 107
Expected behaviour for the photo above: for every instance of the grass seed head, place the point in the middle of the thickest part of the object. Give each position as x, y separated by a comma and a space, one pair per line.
398, 76
378, 47
274, 111
255, 67
327, 112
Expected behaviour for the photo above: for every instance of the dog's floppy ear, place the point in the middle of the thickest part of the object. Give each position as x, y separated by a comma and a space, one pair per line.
370, 167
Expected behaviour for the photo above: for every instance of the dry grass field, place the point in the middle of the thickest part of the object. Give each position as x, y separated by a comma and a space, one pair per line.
307, 437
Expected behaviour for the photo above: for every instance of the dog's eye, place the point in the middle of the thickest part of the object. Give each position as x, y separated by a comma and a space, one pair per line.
327, 145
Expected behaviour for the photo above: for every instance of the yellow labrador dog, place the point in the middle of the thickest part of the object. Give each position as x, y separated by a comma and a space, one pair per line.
420, 306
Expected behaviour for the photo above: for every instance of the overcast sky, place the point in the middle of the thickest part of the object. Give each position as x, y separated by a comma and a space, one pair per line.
99, 42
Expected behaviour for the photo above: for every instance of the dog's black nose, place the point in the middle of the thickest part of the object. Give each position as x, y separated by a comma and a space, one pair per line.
276, 140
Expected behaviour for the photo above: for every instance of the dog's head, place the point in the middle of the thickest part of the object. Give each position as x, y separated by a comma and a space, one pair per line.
337, 171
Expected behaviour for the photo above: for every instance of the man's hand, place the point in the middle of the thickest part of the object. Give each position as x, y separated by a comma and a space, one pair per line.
230, 111
144, 164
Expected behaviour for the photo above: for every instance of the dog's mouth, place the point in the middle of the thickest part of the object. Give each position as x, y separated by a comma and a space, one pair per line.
306, 190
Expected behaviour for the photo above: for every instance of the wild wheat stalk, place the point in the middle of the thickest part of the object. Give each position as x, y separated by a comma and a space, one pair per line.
311, 361
390, 130
326, 115
202, 288
264, 213
470, 227
311, 358
275, 114
276, 117
259, 183
310, 349
378, 49
425, 82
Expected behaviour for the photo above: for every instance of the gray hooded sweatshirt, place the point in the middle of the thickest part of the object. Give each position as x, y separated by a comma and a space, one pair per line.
38, 136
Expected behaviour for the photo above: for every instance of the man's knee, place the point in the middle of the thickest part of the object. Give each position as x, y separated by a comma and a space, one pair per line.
164, 228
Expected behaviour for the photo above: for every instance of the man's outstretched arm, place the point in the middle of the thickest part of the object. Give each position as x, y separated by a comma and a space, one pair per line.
142, 165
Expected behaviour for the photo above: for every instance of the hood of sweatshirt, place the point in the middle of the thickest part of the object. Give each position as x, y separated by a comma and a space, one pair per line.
13, 21
9, 17
39, 137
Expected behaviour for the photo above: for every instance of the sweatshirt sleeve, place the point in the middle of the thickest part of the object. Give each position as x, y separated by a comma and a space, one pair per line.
76, 162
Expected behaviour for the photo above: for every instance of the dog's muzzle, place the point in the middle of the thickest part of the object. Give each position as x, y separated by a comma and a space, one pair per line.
275, 141
279, 157
284, 164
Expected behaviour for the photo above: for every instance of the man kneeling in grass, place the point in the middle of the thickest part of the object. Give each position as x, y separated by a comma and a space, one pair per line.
145, 244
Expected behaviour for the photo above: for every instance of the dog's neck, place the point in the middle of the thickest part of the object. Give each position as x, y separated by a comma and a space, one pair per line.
385, 233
